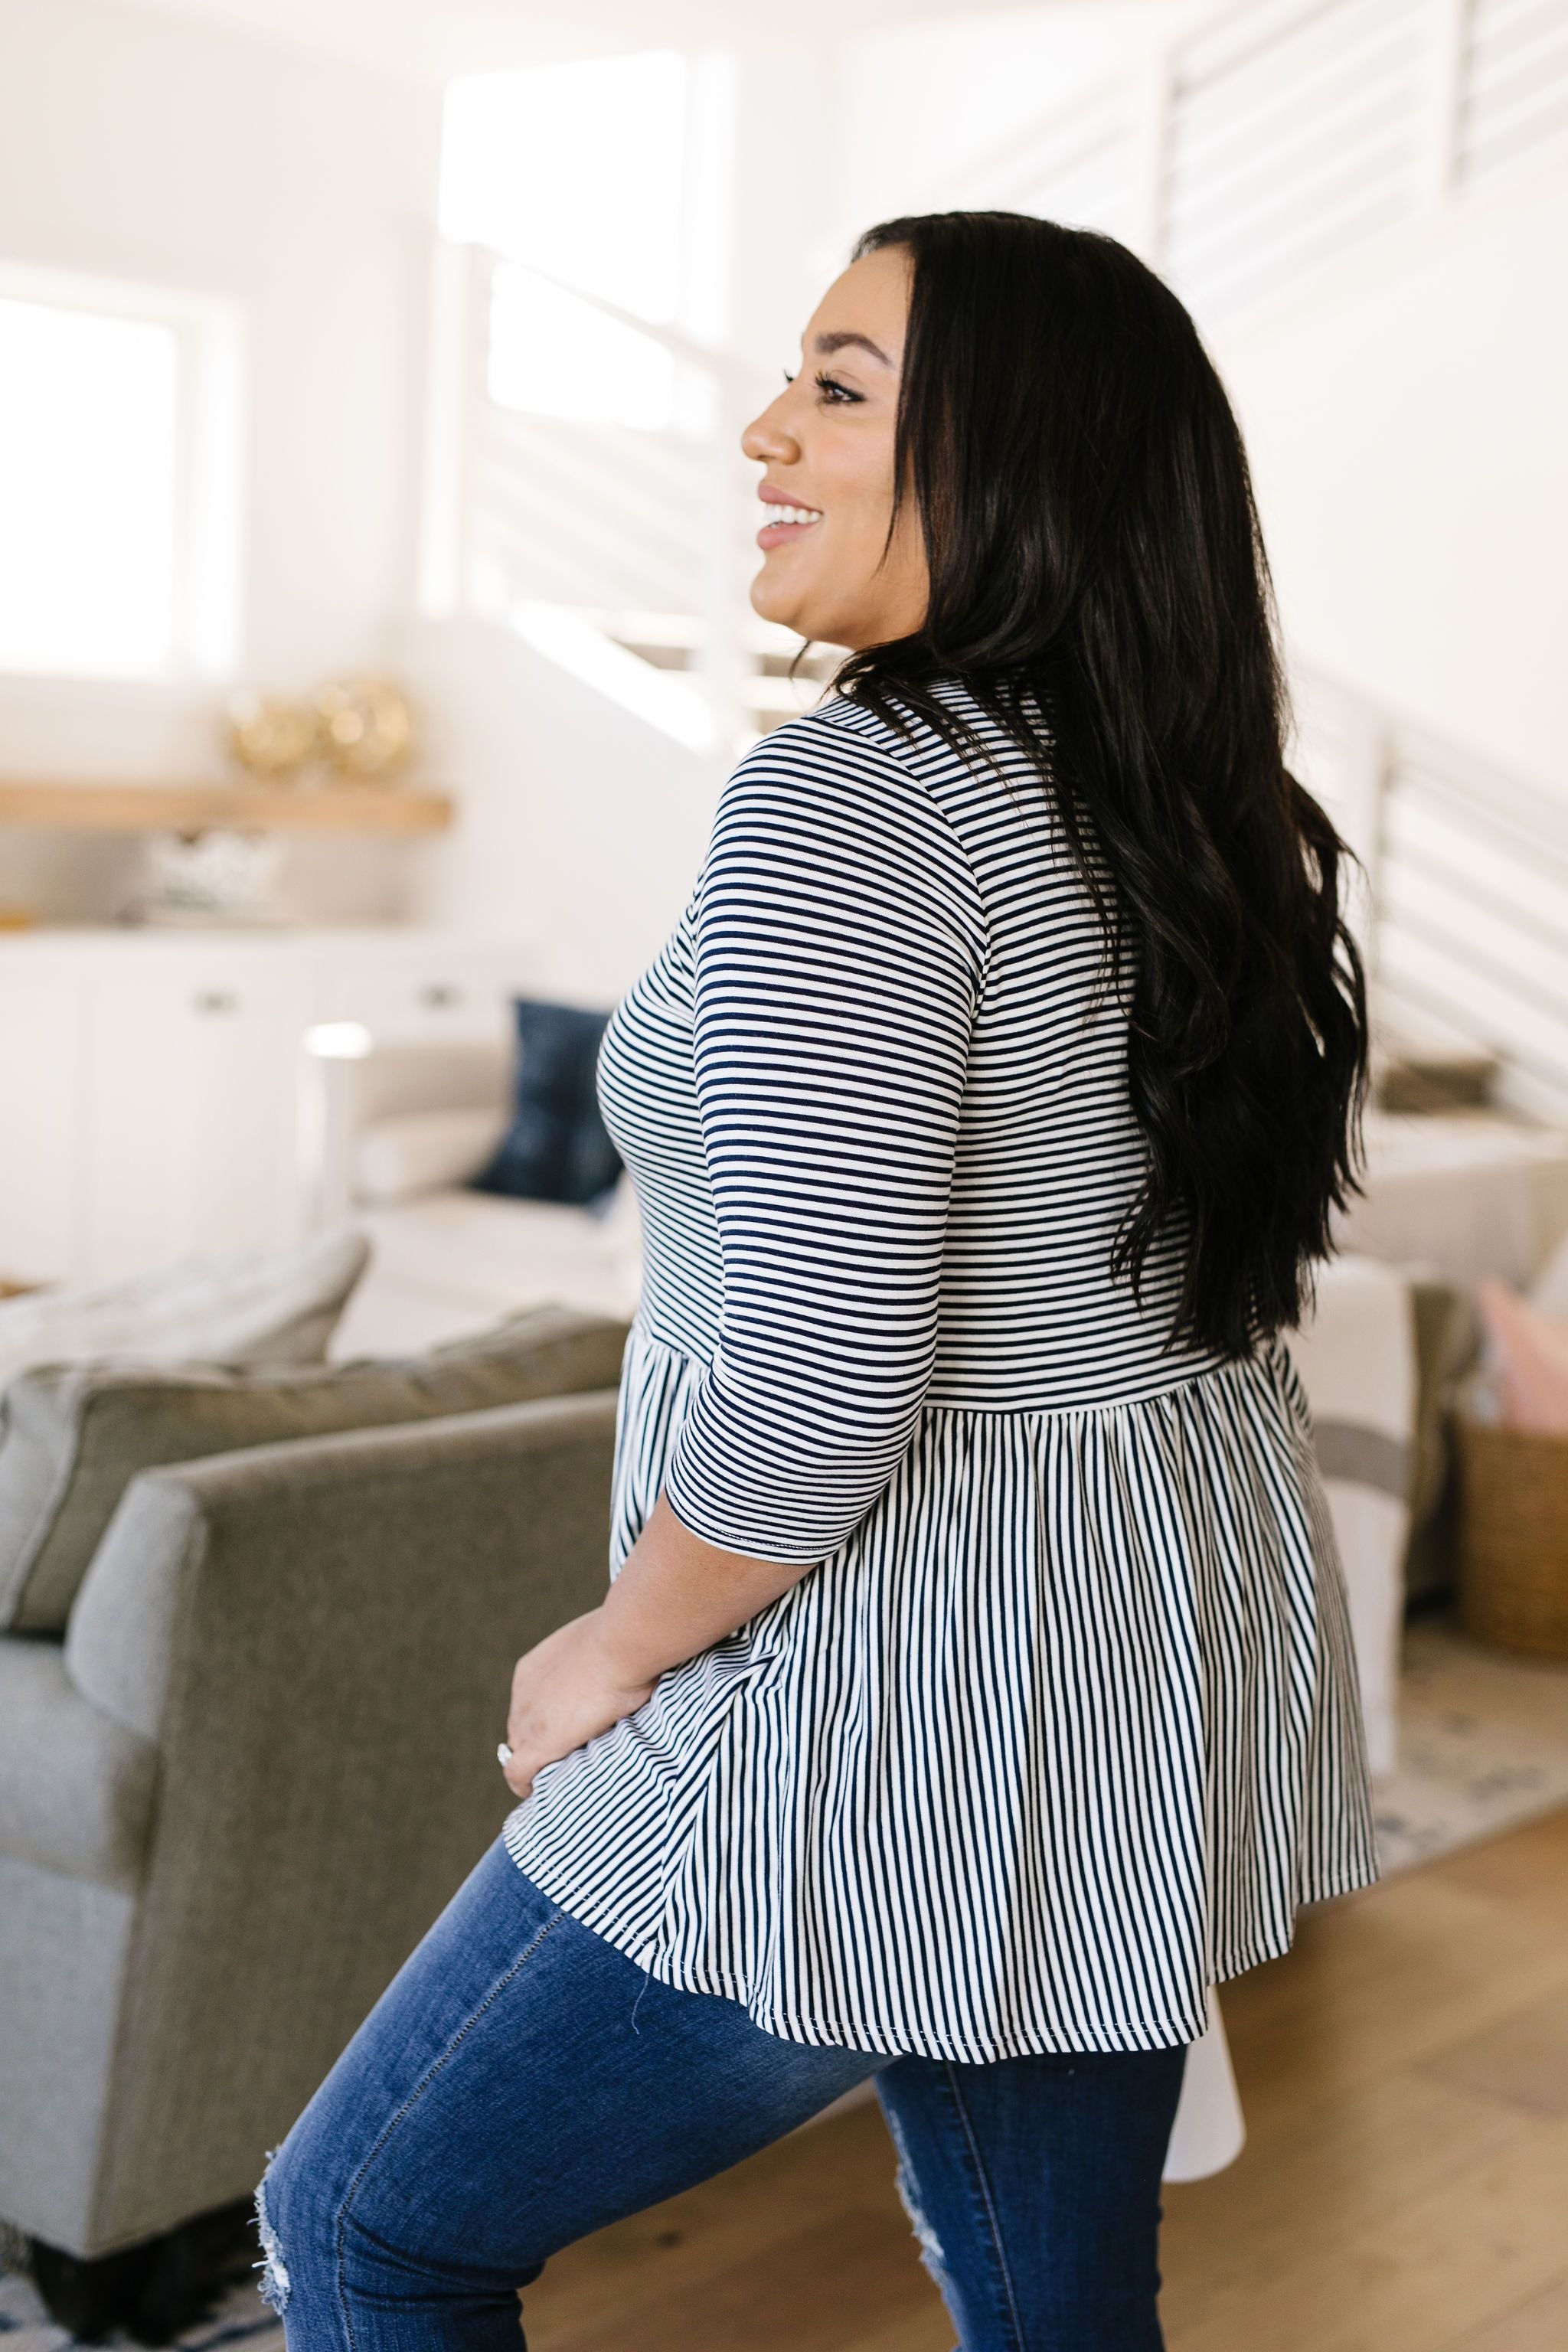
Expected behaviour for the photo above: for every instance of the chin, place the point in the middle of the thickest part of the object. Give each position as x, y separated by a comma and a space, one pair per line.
789, 602
774, 601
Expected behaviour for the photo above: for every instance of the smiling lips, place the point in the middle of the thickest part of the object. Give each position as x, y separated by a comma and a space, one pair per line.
786, 520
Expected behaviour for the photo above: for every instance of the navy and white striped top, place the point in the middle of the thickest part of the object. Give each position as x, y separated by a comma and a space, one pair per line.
1065, 1725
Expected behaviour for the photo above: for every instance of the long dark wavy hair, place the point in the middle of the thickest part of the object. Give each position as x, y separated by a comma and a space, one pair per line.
1097, 581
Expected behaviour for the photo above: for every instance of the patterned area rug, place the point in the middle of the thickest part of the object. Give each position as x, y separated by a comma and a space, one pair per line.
1484, 1747
241, 2317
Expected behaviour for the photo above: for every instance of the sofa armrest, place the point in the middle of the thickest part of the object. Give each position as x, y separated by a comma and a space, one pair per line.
76, 1788
319, 1636
351, 1082
342, 1554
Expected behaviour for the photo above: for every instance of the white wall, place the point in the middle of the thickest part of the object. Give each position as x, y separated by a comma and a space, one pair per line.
582, 827
924, 106
783, 249
1404, 416
132, 144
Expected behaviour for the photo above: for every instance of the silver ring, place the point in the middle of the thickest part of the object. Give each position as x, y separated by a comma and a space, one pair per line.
503, 1756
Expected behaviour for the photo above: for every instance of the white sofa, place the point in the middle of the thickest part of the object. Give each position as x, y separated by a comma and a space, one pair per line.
394, 1134
1466, 1195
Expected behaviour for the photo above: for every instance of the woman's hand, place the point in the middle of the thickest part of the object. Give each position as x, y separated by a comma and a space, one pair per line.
565, 1690
675, 1597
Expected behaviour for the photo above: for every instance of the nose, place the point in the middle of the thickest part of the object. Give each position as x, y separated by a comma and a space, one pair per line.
768, 439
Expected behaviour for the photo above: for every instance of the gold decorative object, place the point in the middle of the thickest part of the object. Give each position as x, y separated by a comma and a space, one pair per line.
363, 728
271, 737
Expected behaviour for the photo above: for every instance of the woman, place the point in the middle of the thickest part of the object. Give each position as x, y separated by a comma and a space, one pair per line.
975, 1686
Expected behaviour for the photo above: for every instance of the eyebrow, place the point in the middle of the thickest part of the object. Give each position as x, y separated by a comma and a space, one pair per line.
827, 344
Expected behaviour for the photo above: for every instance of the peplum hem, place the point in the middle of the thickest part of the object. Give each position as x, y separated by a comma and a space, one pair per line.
1075, 1701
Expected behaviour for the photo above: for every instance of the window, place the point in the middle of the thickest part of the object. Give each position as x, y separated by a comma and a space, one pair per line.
552, 354
118, 481
588, 178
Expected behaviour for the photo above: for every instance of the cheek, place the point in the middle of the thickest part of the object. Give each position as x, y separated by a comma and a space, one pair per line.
854, 471
864, 510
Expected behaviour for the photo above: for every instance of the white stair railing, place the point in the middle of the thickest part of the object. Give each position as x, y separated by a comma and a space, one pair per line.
1267, 139
1275, 135
1464, 912
524, 511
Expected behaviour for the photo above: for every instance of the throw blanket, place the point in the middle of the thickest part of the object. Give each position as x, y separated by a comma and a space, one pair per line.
1356, 1357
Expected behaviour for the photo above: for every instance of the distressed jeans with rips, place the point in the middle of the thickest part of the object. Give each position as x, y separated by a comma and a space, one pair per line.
521, 2082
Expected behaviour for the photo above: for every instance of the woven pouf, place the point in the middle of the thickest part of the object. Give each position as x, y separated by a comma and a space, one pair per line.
1513, 1554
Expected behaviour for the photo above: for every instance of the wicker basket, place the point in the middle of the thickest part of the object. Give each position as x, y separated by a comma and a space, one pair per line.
1513, 1536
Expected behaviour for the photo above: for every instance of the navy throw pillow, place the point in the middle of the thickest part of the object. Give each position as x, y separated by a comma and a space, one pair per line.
556, 1147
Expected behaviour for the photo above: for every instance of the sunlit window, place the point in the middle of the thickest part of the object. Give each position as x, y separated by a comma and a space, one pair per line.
89, 441
575, 169
554, 355
576, 173
107, 449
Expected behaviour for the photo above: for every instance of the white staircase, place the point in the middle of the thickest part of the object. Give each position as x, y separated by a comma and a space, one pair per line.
1464, 906
1265, 143
1275, 135
568, 531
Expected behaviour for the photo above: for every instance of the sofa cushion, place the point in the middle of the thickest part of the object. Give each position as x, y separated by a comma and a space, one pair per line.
76, 1436
557, 1146
454, 1262
238, 1307
76, 1788
420, 1151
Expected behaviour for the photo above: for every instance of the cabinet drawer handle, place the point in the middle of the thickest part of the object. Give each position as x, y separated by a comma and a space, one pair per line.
217, 1000
441, 996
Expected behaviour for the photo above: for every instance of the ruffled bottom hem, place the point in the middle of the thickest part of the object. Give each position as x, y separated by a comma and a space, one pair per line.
878, 2039
1065, 1731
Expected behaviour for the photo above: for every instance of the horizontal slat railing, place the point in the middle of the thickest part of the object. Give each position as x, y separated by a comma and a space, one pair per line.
529, 510
552, 497
1516, 81
1279, 133
1317, 149
1465, 916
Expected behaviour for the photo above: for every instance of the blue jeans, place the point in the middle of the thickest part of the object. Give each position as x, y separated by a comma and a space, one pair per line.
521, 2082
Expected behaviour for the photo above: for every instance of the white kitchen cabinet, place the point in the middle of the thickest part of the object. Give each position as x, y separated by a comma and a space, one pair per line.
154, 1088
191, 1088
451, 991
41, 1019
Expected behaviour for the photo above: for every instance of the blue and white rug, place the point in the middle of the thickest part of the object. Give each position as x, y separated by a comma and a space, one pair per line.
1483, 1748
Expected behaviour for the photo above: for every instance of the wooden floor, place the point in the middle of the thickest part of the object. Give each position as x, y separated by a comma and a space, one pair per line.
1405, 2188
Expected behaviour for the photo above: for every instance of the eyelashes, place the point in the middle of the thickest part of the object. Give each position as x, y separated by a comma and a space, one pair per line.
832, 394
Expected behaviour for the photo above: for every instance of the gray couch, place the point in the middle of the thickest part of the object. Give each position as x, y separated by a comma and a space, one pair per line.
256, 1766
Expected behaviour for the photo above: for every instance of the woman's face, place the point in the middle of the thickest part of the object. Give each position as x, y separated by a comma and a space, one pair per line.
826, 448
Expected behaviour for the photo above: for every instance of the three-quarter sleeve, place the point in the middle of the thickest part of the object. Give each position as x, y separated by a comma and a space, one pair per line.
839, 955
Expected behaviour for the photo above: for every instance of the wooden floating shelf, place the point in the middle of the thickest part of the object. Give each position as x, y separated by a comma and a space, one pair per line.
234, 808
